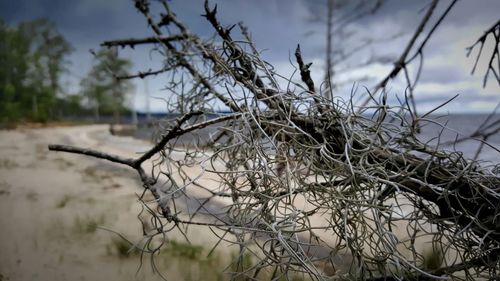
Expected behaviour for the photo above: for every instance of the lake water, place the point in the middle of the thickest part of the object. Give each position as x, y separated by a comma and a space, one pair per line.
457, 126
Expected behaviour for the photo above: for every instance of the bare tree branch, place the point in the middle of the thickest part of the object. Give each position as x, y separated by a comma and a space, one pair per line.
132, 42
494, 31
314, 189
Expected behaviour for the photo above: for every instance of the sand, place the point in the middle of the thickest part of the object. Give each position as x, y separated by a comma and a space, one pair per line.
51, 204
56, 205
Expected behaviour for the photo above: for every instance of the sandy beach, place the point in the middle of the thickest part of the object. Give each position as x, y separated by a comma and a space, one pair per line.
58, 209
54, 207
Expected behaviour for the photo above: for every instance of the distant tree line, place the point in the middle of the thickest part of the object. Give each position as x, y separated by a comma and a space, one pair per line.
33, 57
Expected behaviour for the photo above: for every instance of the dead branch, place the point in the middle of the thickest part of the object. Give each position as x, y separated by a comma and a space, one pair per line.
311, 182
494, 31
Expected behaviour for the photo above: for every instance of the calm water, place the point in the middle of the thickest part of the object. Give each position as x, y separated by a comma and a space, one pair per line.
457, 126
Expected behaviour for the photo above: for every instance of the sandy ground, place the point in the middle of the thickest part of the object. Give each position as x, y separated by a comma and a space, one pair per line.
51, 203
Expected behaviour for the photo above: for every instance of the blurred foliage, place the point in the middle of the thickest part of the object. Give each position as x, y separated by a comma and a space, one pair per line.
32, 58
104, 93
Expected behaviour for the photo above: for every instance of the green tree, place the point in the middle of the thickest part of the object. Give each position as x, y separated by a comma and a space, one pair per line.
49, 50
104, 92
14, 53
32, 58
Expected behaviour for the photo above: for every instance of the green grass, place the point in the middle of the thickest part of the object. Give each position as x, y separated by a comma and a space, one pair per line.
192, 262
87, 224
122, 248
241, 264
184, 261
432, 259
64, 201
184, 250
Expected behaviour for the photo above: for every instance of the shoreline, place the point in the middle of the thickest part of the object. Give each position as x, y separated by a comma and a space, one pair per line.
53, 205
49, 194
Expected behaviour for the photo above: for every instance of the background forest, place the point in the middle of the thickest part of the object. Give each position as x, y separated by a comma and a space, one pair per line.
33, 59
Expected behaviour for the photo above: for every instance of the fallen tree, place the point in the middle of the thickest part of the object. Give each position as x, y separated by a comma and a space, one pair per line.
311, 181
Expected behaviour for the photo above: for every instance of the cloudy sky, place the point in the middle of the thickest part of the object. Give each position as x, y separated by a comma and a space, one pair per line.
277, 26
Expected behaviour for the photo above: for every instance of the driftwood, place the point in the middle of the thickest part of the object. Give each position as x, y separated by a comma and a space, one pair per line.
288, 158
